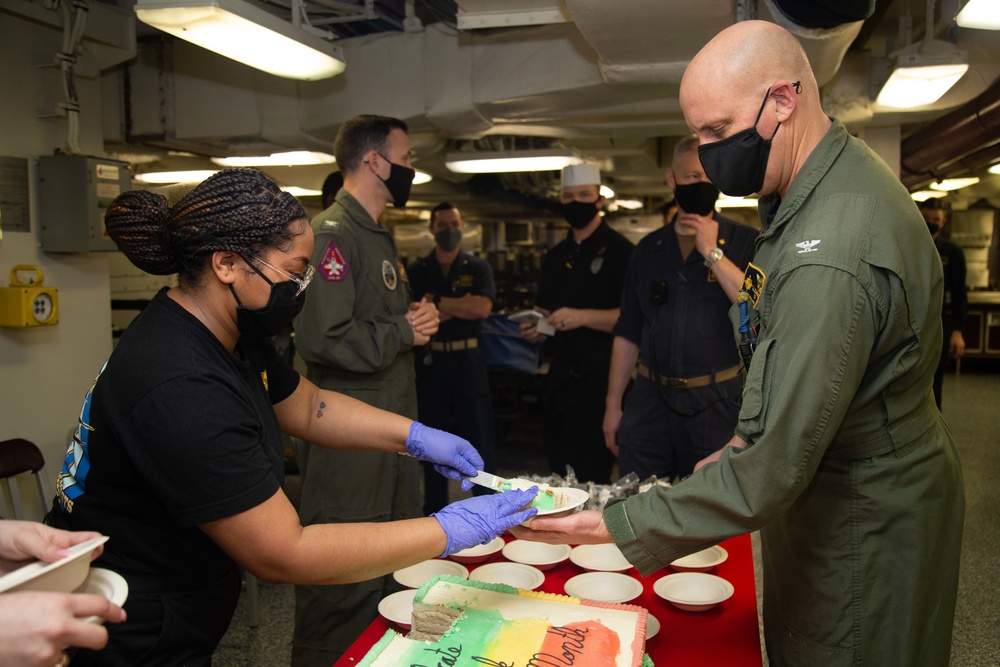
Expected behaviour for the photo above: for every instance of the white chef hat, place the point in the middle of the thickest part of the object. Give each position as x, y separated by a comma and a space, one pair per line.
581, 174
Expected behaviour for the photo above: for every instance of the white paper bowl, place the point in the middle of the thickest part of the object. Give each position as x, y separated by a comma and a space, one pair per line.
537, 554
479, 553
599, 558
63, 576
652, 626
398, 608
604, 587
693, 591
517, 575
415, 575
105, 583
702, 561
569, 500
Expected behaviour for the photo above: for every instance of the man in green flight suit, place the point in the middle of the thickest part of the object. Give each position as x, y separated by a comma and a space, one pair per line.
840, 457
356, 334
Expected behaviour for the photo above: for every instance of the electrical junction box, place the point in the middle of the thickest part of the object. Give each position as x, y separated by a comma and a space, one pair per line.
28, 304
74, 192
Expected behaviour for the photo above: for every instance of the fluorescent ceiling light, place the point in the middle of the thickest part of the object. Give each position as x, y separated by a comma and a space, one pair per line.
162, 177
949, 184
982, 14
296, 191
287, 159
726, 201
630, 204
924, 195
924, 72
245, 33
422, 177
995, 169
498, 162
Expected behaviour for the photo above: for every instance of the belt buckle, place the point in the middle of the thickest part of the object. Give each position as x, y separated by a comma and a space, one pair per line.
676, 383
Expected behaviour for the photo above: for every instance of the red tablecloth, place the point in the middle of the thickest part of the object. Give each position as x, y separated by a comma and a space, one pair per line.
725, 635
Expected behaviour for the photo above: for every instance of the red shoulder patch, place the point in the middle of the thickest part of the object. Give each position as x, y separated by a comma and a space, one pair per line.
333, 266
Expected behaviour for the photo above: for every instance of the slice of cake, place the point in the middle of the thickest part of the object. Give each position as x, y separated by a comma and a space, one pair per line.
460, 623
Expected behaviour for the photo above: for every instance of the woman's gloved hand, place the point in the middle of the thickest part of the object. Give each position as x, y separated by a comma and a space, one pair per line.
452, 456
478, 520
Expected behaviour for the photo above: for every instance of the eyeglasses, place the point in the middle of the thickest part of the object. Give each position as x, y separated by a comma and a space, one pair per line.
301, 279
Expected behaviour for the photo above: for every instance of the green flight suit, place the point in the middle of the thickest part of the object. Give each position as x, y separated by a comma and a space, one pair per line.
355, 340
850, 472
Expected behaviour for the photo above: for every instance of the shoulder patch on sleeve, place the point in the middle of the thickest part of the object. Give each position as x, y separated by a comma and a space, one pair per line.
333, 265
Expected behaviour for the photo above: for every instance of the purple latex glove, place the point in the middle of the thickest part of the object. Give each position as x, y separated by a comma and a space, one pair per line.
452, 456
478, 520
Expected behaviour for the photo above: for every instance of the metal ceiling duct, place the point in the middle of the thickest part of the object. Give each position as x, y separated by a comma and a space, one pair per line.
954, 142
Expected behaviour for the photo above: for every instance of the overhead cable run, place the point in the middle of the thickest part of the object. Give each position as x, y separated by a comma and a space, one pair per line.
74, 26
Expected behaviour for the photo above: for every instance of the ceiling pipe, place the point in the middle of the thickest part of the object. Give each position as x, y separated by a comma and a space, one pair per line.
969, 129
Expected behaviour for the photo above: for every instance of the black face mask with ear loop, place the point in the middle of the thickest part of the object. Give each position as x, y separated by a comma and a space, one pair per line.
399, 182
737, 164
270, 319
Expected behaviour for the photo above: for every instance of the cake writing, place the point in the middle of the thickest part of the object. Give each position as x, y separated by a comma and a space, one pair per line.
565, 655
448, 657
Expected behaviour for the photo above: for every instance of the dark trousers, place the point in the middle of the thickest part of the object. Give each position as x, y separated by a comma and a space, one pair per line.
168, 628
572, 424
453, 394
653, 439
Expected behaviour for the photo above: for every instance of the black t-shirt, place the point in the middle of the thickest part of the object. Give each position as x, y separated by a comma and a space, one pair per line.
468, 274
175, 432
584, 275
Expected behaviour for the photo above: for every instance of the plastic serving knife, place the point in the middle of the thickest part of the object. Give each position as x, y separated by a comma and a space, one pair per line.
489, 481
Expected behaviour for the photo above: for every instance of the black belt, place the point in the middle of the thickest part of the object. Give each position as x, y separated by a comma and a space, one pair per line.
681, 384
454, 345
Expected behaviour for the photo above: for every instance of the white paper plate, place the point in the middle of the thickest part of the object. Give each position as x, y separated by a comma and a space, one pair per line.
478, 553
701, 561
105, 583
398, 607
517, 575
600, 558
693, 591
538, 554
604, 586
652, 626
62, 576
415, 575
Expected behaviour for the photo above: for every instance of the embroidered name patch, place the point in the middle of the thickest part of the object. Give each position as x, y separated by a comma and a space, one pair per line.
753, 282
332, 265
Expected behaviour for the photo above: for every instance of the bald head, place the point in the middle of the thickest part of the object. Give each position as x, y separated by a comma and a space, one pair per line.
751, 67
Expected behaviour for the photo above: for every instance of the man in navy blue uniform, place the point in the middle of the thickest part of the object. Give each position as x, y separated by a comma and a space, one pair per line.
453, 392
682, 280
579, 291
953, 262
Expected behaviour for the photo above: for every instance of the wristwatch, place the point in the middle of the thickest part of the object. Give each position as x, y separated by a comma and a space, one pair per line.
714, 255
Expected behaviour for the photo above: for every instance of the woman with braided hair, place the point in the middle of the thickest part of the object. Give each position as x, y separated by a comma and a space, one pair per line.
178, 452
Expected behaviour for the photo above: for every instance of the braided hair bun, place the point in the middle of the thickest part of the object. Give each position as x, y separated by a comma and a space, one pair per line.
239, 210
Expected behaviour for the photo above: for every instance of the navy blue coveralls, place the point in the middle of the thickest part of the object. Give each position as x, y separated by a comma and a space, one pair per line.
677, 313
586, 275
453, 392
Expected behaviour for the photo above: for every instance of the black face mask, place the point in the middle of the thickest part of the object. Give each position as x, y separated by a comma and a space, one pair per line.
579, 214
269, 320
698, 198
737, 164
932, 228
399, 182
448, 239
